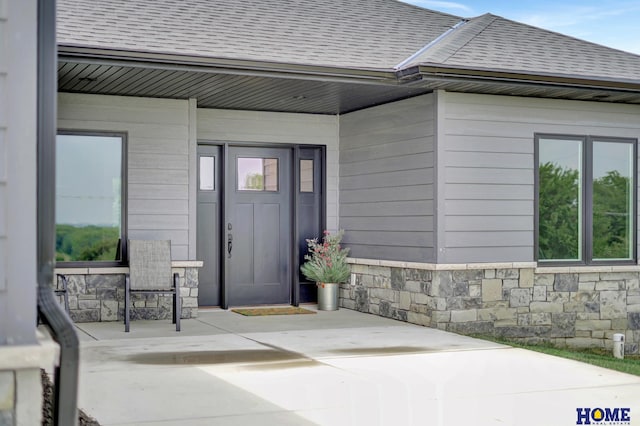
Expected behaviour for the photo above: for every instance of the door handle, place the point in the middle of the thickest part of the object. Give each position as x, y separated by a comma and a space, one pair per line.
229, 244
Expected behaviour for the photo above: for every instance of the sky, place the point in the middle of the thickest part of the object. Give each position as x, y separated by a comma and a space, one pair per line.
613, 23
95, 198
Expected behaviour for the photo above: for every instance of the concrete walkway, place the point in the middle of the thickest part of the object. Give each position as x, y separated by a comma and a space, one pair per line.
331, 368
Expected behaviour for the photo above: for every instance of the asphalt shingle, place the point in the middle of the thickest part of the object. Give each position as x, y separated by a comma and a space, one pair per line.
493, 42
372, 34
362, 34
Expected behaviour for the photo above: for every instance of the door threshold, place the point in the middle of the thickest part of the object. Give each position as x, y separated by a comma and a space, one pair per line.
273, 305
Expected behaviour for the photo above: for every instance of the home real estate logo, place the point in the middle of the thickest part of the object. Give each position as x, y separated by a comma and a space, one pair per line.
604, 416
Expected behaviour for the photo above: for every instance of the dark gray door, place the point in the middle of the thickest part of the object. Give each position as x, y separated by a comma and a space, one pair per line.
208, 227
258, 232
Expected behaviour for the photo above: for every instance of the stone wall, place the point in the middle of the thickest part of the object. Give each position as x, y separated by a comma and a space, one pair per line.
98, 296
565, 307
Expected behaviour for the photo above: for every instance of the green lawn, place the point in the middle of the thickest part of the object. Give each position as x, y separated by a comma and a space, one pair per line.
630, 364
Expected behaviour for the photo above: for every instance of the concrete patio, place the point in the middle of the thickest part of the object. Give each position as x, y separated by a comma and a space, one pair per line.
332, 368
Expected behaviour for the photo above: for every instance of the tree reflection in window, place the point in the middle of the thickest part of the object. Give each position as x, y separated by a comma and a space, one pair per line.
612, 200
257, 174
604, 171
559, 212
88, 197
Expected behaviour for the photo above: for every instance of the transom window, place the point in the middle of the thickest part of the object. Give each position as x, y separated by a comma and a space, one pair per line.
89, 197
586, 208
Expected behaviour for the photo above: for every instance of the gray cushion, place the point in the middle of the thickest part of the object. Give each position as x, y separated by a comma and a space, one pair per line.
150, 264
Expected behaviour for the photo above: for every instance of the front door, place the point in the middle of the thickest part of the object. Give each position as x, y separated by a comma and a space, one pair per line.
259, 228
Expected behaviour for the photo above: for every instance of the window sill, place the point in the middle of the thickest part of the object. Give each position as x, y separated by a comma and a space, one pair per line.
586, 269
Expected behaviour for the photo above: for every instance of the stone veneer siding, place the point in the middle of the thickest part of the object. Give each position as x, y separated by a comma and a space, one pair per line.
97, 295
565, 307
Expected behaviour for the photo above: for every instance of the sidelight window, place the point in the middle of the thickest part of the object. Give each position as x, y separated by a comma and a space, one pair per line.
306, 175
207, 173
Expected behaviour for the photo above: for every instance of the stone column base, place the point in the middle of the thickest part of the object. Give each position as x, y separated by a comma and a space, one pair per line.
20, 381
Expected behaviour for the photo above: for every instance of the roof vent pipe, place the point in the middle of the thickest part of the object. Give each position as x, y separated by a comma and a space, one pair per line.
430, 44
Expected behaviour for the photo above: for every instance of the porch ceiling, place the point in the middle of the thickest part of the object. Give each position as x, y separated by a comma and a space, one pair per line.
316, 94
231, 91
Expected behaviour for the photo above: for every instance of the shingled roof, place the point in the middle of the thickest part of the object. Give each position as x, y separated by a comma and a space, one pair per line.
493, 42
322, 56
359, 34
367, 34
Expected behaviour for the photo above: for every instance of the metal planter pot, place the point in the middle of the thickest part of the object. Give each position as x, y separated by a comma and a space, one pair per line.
328, 296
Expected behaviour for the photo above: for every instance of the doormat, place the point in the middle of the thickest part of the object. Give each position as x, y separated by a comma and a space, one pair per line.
288, 310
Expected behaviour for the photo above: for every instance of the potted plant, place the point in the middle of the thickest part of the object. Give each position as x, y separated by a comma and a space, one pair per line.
326, 264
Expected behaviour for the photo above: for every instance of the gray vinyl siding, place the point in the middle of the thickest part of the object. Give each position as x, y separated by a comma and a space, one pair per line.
18, 126
487, 152
387, 181
158, 159
217, 125
4, 101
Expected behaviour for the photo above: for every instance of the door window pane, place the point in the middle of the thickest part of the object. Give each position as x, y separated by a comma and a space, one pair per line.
306, 175
560, 199
206, 173
270, 174
613, 185
257, 174
88, 197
